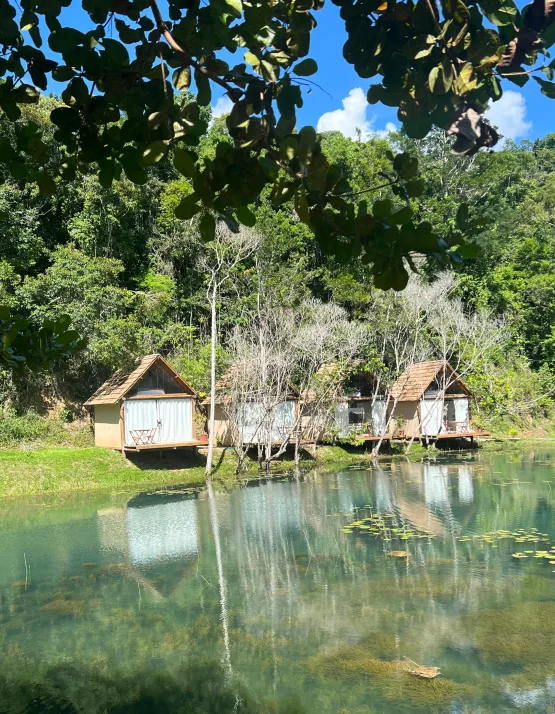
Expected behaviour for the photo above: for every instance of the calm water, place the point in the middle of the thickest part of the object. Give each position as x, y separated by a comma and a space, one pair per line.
120, 603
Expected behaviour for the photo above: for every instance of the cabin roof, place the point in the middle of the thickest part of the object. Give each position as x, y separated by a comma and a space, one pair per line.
329, 371
415, 380
121, 382
232, 380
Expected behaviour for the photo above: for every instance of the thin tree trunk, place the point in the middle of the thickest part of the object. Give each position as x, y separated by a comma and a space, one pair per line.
213, 340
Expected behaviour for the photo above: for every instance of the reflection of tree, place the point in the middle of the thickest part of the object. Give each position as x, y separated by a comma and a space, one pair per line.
222, 585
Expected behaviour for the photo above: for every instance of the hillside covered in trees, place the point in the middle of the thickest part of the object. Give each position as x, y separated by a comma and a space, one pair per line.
134, 279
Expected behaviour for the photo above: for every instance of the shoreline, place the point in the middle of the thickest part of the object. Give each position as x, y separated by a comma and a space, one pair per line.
31, 472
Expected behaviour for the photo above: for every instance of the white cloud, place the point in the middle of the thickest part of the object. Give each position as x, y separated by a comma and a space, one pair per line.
352, 121
509, 115
222, 106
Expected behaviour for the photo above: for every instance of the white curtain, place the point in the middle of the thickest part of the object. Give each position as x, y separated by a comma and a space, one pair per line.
283, 421
139, 414
342, 418
379, 419
461, 413
175, 419
431, 411
172, 419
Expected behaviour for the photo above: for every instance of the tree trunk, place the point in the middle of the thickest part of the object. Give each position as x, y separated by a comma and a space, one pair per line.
212, 416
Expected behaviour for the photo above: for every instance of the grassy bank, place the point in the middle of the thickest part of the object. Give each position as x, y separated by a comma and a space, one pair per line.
45, 471
52, 470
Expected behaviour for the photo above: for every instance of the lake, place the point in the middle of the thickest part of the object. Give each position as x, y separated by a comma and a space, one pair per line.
322, 594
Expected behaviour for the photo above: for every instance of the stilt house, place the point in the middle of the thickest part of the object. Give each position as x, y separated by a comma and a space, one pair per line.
430, 400
246, 415
361, 407
150, 408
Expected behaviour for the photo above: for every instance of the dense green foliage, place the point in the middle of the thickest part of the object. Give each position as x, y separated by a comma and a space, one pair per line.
133, 104
133, 278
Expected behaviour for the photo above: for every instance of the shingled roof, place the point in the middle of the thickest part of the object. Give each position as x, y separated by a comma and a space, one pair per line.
415, 380
121, 383
237, 378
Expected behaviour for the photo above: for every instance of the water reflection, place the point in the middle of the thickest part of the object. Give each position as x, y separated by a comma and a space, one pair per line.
263, 583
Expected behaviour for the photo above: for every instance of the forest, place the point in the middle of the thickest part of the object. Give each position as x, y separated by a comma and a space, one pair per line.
136, 280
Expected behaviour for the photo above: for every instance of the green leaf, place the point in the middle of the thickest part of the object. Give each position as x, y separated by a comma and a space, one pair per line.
7, 152
461, 218
417, 126
382, 208
184, 162
187, 207
62, 73
181, 78
548, 88
417, 48
406, 166
234, 7
25, 94
415, 188
204, 92
456, 10
498, 12
115, 55
441, 77
155, 152
467, 79
301, 205
306, 68
245, 216
288, 147
107, 173
307, 142
548, 35
401, 217
46, 184
207, 227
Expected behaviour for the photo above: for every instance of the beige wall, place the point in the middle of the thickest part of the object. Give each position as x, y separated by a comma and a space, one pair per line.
106, 426
408, 410
222, 428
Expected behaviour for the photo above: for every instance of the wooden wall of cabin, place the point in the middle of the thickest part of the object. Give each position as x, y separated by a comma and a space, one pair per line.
222, 427
107, 431
409, 412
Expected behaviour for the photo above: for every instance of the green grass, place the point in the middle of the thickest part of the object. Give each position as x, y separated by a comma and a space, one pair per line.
53, 470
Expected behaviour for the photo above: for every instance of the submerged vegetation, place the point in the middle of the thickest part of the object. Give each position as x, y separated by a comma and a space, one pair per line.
111, 603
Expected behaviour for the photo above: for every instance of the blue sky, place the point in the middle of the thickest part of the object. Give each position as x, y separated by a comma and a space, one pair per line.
522, 113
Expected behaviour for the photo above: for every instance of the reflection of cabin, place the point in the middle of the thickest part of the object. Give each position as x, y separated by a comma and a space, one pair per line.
430, 400
249, 417
149, 408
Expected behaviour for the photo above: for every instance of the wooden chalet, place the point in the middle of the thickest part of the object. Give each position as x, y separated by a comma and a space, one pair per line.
256, 423
431, 401
360, 409
151, 407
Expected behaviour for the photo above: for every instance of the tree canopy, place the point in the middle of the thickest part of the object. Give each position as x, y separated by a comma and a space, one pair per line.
136, 102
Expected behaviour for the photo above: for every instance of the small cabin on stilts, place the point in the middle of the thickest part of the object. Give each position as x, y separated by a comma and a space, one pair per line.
247, 415
430, 401
151, 407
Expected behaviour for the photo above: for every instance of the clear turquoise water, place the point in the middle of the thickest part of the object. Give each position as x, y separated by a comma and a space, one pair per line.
117, 602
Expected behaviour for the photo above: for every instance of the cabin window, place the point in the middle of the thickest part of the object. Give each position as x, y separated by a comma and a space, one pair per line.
356, 416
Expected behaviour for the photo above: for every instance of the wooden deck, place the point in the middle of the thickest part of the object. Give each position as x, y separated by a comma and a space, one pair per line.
150, 447
448, 435
460, 435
